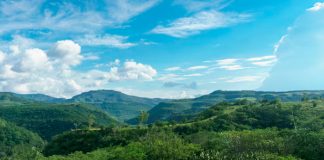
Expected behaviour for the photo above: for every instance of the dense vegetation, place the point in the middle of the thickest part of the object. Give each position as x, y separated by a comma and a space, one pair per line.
232, 130
174, 110
256, 128
13, 138
47, 119
117, 104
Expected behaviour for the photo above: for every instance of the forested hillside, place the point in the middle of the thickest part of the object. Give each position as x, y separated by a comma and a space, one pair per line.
117, 104
244, 125
14, 138
177, 109
242, 129
48, 119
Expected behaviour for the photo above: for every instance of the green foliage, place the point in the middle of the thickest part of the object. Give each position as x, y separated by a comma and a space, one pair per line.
174, 110
155, 145
115, 103
167, 145
143, 117
88, 140
133, 151
13, 138
241, 128
256, 116
48, 120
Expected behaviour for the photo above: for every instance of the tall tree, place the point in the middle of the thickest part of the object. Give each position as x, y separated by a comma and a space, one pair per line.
143, 117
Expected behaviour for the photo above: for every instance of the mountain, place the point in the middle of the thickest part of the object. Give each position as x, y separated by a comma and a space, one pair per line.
179, 108
41, 98
48, 119
12, 136
117, 104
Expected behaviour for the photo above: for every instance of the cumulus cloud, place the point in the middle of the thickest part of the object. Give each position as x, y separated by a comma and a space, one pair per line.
204, 20
34, 70
317, 6
134, 70
32, 60
67, 52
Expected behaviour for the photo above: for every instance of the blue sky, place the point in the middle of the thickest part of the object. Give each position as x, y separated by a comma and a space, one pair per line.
160, 48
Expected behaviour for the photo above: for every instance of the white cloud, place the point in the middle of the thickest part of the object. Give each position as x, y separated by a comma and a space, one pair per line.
37, 71
204, 20
2, 57
193, 75
196, 5
32, 60
264, 61
317, 6
232, 67
262, 58
196, 68
279, 43
67, 52
61, 17
134, 70
173, 69
123, 10
114, 41
246, 79
184, 95
226, 61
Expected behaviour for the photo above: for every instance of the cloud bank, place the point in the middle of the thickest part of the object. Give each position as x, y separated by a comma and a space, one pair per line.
33, 70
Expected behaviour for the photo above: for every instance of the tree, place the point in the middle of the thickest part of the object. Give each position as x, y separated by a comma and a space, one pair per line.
143, 117
91, 120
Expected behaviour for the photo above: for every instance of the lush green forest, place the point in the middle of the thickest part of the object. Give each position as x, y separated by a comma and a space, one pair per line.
178, 109
117, 104
48, 119
243, 126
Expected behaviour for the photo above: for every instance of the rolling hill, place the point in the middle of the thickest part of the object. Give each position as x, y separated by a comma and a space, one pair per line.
117, 104
48, 119
172, 110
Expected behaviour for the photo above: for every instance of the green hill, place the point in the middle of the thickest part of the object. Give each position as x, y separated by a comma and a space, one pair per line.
50, 119
115, 103
257, 115
172, 110
12, 136
230, 130
41, 98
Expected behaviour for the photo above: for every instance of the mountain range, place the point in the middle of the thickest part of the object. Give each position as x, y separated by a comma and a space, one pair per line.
125, 107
